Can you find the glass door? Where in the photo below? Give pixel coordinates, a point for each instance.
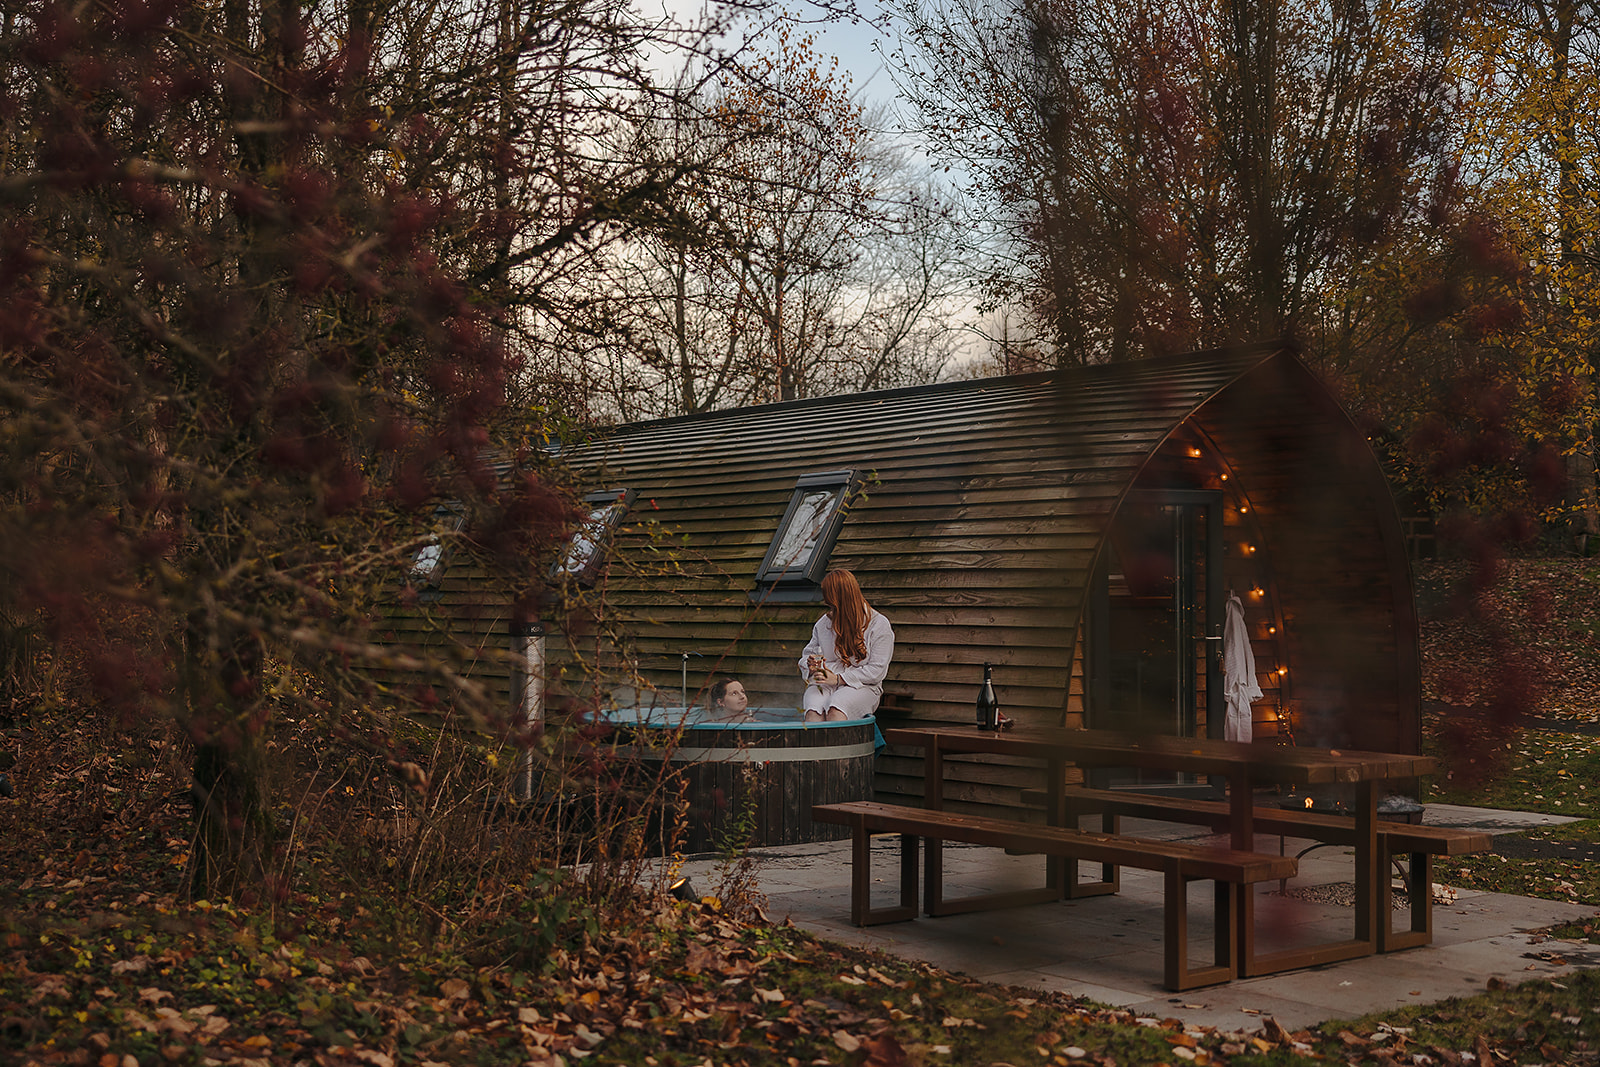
(1156, 619)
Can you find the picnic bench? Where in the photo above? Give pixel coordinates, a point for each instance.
(1243, 767)
(1420, 843)
(1178, 862)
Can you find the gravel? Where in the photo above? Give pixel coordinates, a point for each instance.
(1342, 894)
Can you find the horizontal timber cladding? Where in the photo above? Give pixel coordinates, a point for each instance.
(466, 625)
(984, 511)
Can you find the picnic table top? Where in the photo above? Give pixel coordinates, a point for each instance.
(1286, 764)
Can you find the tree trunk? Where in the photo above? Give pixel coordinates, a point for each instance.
(232, 851)
(222, 667)
(1582, 507)
(1255, 45)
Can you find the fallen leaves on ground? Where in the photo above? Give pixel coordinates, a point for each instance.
(102, 963)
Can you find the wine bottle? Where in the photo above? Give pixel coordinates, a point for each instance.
(988, 706)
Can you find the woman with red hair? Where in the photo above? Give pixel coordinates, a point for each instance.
(848, 656)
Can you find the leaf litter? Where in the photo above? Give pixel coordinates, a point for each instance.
(101, 963)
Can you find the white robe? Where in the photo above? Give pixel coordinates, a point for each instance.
(861, 684)
(1239, 684)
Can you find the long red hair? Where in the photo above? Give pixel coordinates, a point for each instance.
(849, 611)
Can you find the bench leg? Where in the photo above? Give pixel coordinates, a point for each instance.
(862, 912)
(1419, 888)
(1179, 975)
(1110, 874)
(908, 875)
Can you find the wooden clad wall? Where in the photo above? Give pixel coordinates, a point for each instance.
(469, 624)
(986, 505)
(464, 618)
(976, 536)
(1338, 563)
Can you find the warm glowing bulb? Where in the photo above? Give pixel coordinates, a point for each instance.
(1224, 477)
(1243, 508)
(1193, 451)
(1272, 629)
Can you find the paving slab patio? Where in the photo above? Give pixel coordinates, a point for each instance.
(1109, 948)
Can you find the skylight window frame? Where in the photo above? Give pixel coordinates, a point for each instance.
(800, 580)
(426, 573)
(603, 527)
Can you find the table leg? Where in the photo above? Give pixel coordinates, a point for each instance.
(1242, 828)
(1057, 876)
(1368, 870)
(1241, 811)
(933, 848)
(1365, 940)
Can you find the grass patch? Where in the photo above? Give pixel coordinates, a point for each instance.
(1546, 1022)
(1586, 931)
(1548, 879)
(1539, 770)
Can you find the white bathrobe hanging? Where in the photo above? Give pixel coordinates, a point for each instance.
(1238, 673)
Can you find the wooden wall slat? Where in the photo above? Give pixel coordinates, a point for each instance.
(977, 537)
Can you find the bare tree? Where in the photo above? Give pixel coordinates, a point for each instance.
(830, 267)
(274, 279)
(1171, 175)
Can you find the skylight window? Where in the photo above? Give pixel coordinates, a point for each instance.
(427, 567)
(798, 556)
(586, 552)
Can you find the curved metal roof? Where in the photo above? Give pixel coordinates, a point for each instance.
(1032, 463)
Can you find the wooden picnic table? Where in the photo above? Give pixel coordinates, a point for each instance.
(1244, 766)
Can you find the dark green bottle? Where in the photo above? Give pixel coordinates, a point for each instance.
(988, 706)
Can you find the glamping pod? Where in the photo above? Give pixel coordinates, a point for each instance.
(1084, 531)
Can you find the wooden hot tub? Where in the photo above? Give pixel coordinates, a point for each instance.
(765, 760)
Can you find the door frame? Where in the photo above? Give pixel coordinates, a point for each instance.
(1097, 653)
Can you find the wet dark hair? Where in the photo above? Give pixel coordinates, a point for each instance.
(720, 690)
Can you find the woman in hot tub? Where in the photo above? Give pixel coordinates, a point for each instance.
(728, 699)
(848, 656)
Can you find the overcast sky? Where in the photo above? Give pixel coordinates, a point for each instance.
(851, 40)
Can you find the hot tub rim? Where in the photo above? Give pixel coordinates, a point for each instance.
(681, 721)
